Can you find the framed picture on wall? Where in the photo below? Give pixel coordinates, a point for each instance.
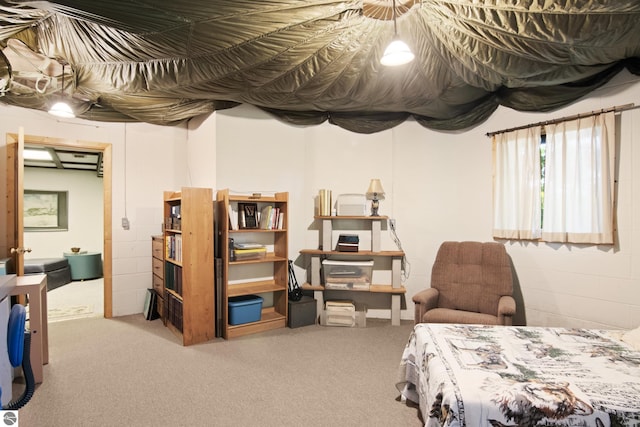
(46, 210)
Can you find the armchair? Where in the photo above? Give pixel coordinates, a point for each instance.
(471, 282)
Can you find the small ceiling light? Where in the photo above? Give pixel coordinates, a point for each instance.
(397, 53)
(61, 108)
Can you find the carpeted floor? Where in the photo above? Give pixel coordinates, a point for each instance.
(128, 371)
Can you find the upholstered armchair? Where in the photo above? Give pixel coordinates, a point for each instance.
(471, 282)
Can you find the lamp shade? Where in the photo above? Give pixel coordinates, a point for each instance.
(375, 189)
(62, 109)
(397, 53)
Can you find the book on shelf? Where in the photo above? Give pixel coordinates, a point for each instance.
(247, 215)
(174, 247)
(271, 218)
(173, 277)
(174, 311)
(233, 217)
(324, 202)
(266, 216)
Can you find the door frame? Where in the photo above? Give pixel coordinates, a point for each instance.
(105, 148)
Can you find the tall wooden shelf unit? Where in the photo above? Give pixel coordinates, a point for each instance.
(273, 316)
(395, 288)
(189, 274)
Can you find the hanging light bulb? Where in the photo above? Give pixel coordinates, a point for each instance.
(397, 53)
(61, 108)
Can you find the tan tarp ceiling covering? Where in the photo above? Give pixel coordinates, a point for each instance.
(306, 62)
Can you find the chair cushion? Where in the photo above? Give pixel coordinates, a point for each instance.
(44, 265)
(446, 315)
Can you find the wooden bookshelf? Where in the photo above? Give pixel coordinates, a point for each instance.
(274, 287)
(188, 262)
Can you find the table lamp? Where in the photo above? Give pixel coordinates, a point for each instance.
(375, 193)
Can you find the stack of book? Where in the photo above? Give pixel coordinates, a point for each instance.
(324, 202)
(271, 218)
(174, 247)
(348, 243)
(340, 313)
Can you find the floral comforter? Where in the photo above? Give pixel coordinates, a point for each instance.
(476, 376)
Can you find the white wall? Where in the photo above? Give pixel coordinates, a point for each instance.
(147, 160)
(438, 187)
(85, 212)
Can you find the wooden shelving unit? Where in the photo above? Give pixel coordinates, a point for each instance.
(189, 307)
(271, 281)
(395, 288)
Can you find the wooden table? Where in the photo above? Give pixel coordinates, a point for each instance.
(34, 286)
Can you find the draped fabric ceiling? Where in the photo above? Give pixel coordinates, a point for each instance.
(307, 62)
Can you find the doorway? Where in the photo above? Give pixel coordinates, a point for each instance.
(105, 151)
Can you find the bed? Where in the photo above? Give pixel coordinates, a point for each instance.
(473, 375)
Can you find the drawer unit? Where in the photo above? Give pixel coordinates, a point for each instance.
(157, 272)
(157, 245)
(158, 267)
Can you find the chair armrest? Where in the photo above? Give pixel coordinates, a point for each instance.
(506, 310)
(424, 300)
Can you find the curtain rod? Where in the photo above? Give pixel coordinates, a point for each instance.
(564, 119)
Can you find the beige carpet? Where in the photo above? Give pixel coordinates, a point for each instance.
(129, 371)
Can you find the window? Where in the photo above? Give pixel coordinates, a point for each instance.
(568, 170)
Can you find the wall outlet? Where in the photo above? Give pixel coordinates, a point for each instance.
(125, 223)
(392, 223)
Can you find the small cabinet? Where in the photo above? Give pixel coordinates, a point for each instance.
(266, 275)
(157, 271)
(326, 250)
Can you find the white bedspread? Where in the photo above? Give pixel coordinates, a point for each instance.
(476, 376)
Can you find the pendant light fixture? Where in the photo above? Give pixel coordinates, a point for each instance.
(61, 108)
(397, 53)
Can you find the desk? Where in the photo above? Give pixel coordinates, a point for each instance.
(35, 288)
(84, 265)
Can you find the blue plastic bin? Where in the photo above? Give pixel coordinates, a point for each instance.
(245, 309)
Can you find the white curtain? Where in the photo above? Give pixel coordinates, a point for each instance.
(579, 181)
(516, 187)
